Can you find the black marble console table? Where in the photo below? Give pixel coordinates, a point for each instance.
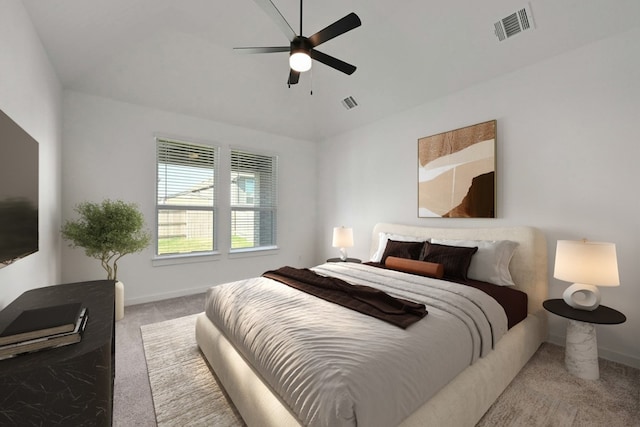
(71, 385)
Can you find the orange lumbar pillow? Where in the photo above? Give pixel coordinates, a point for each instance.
(423, 268)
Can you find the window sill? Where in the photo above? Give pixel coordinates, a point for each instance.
(160, 261)
(253, 252)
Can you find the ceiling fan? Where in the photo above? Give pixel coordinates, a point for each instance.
(303, 49)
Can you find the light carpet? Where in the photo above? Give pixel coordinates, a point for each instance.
(185, 391)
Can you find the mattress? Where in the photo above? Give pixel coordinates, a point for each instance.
(329, 363)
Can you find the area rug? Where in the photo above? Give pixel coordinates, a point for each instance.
(185, 391)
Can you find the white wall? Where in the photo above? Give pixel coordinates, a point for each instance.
(30, 94)
(109, 152)
(568, 145)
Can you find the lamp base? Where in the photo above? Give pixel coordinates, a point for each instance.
(582, 297)
(343, 254)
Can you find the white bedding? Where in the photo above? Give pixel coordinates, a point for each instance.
(319, 356)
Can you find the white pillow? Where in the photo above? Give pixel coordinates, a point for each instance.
(491, 262)
(384, 237)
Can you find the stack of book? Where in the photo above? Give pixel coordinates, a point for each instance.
(43, 328)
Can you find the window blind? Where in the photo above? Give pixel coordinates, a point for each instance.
(253, 200)
(186, 197)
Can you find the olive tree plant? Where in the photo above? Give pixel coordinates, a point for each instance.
(107, 231)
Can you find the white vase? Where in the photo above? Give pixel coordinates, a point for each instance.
(119, 300)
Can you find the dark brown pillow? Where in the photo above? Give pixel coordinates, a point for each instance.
(410, 250)
(455, 259)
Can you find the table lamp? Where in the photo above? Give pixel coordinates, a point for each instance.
(342, 238)
(588, 265)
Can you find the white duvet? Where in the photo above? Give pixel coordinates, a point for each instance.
(337, 367)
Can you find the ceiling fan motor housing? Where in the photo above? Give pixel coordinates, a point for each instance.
(301, 44)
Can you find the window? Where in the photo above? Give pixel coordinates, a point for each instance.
(253, 200)
(186, 198)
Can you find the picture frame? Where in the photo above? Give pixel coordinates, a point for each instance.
(457, 173)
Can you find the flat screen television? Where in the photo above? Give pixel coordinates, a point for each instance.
(18, 192)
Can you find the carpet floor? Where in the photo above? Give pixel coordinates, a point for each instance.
(185, 392)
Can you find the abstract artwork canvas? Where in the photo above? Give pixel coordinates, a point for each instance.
(457, 173)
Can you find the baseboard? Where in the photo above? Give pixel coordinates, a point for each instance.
(163, 296)
(603, 353)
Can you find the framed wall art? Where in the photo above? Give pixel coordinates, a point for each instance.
(457, 173)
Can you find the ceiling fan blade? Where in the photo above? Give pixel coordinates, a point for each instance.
(275, 15)
(341, 26)
(262, 49)
(333, 62)
(294, 76)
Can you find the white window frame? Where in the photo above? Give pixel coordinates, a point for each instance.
(214, 209)
(270, 205)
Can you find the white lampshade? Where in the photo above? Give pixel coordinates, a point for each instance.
(300, 61)
(590, 263)
(342, 237)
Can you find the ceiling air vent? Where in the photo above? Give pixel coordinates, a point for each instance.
(515, 23)
(349, 103)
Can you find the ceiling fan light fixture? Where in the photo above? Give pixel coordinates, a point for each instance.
(300, 61)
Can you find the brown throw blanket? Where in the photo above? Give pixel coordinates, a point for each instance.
(363, 299)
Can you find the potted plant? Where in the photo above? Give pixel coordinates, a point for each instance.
(108, 231)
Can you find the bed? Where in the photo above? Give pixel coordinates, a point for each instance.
(461, 401)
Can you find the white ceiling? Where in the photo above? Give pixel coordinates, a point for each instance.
(177, 55)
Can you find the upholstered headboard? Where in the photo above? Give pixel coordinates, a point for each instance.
(529, 263)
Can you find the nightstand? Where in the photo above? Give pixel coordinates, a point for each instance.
(356, 260)
(581, 351)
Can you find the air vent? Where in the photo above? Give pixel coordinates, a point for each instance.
(515, 23)
(349, 103)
